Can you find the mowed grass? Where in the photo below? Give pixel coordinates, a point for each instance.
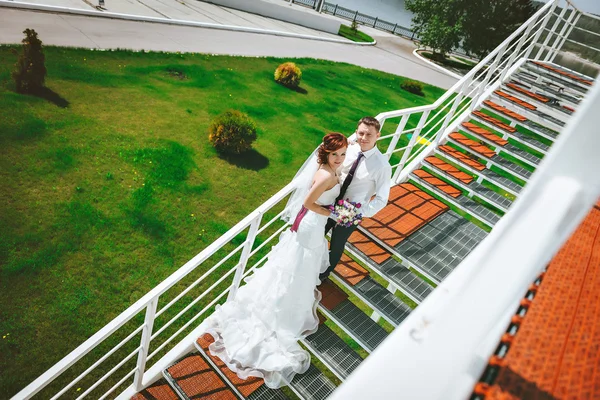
(109, 183)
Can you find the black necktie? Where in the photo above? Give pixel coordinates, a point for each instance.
(350, 176)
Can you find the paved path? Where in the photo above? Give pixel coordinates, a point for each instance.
(392, 55)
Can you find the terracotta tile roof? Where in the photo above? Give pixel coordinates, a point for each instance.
(504, 110)
(496, 122)
(485, 133)
(473, 145)
(516, 100)
(245, 386)
(555, 353)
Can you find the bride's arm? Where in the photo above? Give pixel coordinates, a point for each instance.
(320, 183)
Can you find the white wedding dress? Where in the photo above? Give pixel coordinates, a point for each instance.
(257, 333)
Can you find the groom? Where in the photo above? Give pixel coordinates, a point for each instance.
(364, 173)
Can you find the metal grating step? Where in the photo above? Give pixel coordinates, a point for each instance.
(333, 351)
(474, 209)
(441, 245)
(500, 162)
(556, 77)
(393, 271)
(159, 390)
(477, 189)
(545, 89)
(357, 324)
(542, 116)
(522, 155)
(529, 141)
(491, 176)
(512, 167)
(266, 393)
(312, 385)
(562, 72)
(552, 81)
(551, 106)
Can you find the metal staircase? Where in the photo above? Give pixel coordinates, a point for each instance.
(486, 137)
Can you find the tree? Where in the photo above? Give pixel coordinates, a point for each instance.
(487, 23)
(30, 70)
(438, 23)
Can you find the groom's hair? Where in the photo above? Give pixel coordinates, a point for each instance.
(369, 121)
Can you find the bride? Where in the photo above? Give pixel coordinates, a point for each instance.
(257, 333)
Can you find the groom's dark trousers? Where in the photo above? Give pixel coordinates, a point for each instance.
(339, 237)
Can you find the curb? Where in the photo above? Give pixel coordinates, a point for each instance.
(137, 18)
(444, 70)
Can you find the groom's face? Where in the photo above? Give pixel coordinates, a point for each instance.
(366, 136)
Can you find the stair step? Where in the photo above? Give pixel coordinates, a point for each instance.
(449, 170)
(471, 207)
(374, 255)
(549, 77)
(359, 326)
(528, 109)
(477, 189)
(440, 245)
(529, 141)
(536, 128)
(468, 163)
(486, 153)
(192, 377)
(160, 390)
(245, 388)
(312, 384)
(390, 307)
(547, 89)
(407, 210)
(549, 106)
(333, 352)
(580, 79)
(494, 140)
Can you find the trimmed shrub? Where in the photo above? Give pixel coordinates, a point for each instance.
(414, 87)
(288, 74)
(30, 70)
(232, 132)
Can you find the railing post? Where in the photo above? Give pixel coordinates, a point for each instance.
(488, 75)
(539, 32)
(335, 9)
(411, 144)
(564, 37)
(516, 51)
(396, 136)
(239, 273)
(145, 343)
(560, 35)
(375, 22)
(394, 30)
(552, 31)
(459, 97)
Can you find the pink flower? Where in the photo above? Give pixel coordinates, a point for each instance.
(358, 205)
(341, 202)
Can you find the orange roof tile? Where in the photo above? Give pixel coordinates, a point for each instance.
(198, 379)
(351, 271)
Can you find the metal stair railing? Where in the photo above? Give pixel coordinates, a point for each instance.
(430, 123)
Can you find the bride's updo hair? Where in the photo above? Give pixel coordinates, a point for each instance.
(331, 142)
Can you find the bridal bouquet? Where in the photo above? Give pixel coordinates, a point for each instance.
(346, 213)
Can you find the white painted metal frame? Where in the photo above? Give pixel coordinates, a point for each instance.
(446, 113)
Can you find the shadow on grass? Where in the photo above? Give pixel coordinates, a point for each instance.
(51, 96)
(296, 89)
(251, 159)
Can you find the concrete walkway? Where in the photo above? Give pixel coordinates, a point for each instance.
(392, 54)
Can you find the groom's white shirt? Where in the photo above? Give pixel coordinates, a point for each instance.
(372, 177)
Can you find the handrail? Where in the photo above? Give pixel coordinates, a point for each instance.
(467, 93)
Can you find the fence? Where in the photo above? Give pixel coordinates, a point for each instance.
(364, 19)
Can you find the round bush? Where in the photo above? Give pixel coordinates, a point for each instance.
(288, 74)
(232, 132)
(414, 87)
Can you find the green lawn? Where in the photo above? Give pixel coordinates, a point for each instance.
(355, 36)
(109, 184)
